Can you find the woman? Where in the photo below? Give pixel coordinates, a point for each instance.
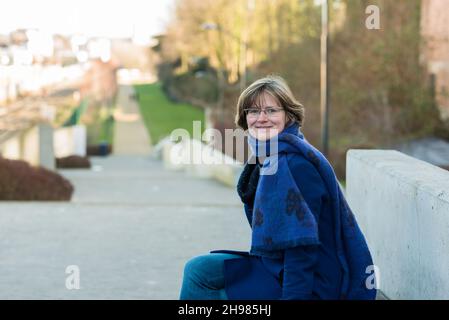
(306, 243)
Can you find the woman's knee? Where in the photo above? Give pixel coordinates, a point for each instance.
(193, 264)
(195, 267)
(209, 266)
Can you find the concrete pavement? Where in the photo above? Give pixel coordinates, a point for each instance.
(130, 228)
(130, 134)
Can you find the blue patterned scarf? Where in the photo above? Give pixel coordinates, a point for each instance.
(282, 218)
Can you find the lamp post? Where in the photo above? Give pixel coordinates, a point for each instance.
(325, 87)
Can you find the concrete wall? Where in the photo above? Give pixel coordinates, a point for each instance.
(34, 146)
(200, 160)
(402, 206)
(30, 146)
(70, 141)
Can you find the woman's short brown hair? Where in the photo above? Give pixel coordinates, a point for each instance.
(278, 89)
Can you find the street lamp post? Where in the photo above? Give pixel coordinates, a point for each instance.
(325, 87)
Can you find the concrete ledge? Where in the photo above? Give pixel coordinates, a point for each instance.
(33, 145)
(199, 160)
(402, 206)
(70, 141)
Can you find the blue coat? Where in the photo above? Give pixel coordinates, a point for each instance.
(304, 272)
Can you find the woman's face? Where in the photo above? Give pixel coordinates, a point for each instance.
(267, 124)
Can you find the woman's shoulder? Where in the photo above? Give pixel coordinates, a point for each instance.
(299, 160)
(305, 173)
(299, 164)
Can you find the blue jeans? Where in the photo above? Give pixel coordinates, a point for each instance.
(204, 277)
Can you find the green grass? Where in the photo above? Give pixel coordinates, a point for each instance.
(107, 131)
(161, 116)
(101, 129)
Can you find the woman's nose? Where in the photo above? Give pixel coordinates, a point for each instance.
(262, 116)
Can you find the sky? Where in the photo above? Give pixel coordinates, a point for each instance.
(104, 18)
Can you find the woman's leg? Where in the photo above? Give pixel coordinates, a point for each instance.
(204, 277)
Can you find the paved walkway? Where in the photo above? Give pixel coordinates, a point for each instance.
(130, 133)
(130, 228)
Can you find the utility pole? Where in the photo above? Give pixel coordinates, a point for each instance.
(325, 87)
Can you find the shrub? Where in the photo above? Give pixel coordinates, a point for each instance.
(21, 182)
(73, 162)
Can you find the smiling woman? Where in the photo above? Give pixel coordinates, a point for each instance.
(265, 109)
(306, 243)
(265, 119)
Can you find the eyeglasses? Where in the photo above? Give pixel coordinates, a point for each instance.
(271, 112)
